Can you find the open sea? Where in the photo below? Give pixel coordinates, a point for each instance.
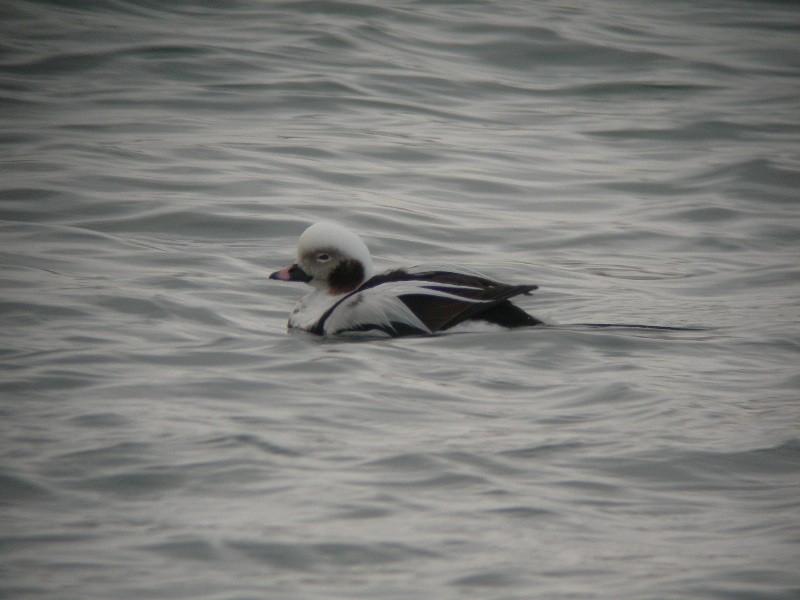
(162, 435)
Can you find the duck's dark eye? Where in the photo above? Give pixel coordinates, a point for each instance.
(323, 257)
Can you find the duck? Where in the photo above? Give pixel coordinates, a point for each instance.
(349, 297)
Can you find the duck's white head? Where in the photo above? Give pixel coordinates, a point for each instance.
(330, 258)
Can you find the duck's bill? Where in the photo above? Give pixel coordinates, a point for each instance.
(291, 273)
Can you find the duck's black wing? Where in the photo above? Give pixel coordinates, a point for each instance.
(414, 301)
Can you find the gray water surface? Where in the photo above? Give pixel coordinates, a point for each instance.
(163, 436)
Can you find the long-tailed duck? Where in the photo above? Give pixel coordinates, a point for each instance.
(349, 297)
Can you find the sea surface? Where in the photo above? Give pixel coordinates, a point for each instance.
(162, 435)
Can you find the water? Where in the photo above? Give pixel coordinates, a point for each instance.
(164, 437)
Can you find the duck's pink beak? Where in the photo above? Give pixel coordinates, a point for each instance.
(292, 272)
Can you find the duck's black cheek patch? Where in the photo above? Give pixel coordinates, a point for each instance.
(346, 277)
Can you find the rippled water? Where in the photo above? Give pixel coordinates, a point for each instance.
(164, 437)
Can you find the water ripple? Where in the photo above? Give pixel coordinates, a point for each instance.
(163, 435)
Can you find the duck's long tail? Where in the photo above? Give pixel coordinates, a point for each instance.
(630, 326)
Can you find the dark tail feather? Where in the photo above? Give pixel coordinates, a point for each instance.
(631, 326)
(508, 315)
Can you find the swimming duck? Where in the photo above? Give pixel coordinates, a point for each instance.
(348, 297)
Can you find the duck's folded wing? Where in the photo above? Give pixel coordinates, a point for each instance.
(403, 303)
(379, 308)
